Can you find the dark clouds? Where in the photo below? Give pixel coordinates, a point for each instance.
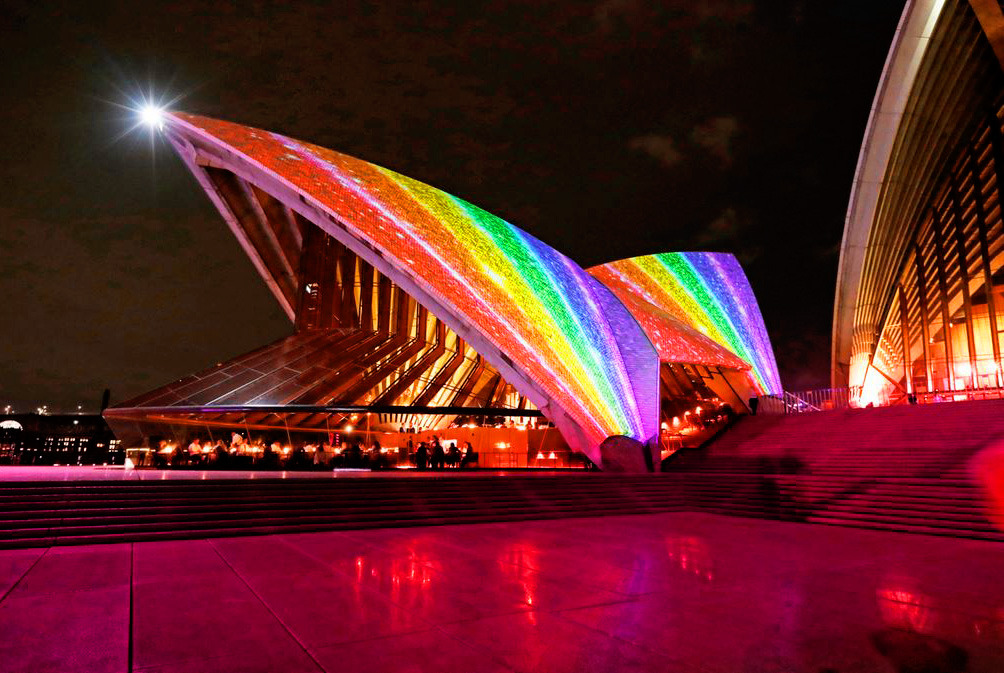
(716, 135)
(607, 129)
(661, 148)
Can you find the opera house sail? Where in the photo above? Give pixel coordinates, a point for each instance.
(918, 310)
(424, 311)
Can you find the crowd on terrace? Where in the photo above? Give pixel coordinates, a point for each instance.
(269, 453)
(377, 450)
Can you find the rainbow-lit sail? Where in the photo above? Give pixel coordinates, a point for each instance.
(583, 346)
(555, 322)
(707, 291)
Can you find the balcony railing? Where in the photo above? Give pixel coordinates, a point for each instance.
(826, 399)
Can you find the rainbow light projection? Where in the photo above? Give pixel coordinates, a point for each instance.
(707, 291)
(676, 341)
(565, 331)
(584, 346)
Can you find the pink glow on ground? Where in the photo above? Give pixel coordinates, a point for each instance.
(666, 592)
(117, 473)
(988, 471)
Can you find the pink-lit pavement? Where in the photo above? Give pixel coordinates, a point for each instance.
(665, 592)
(74, 473)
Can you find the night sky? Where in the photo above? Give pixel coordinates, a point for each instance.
(608, 129)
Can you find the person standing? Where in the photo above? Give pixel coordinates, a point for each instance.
(438, 455)
(469, 455)
(422, 456)
(453, 455)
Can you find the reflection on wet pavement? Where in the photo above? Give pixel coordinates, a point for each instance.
(667, 592)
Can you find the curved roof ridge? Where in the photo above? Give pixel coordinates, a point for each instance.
(571, 347)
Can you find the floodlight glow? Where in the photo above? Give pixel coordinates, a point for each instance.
(152, 116)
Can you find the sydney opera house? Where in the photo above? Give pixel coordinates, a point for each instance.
(809, 536)
(918, 311)
(413, 310)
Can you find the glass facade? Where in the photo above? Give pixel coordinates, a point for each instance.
(941, 330)
(917, 301)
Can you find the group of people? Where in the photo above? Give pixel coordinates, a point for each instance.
(432, 455)
(266, 454)
(173, 454)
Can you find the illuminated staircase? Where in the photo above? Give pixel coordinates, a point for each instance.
(43, 514)
(904, 468)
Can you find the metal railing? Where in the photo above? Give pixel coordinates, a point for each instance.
(826, 399)
(805, 401)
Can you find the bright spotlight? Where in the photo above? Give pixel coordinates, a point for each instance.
(152, 116)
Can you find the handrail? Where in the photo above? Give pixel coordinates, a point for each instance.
(806, 401)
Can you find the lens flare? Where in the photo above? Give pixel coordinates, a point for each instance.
(152, 116)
